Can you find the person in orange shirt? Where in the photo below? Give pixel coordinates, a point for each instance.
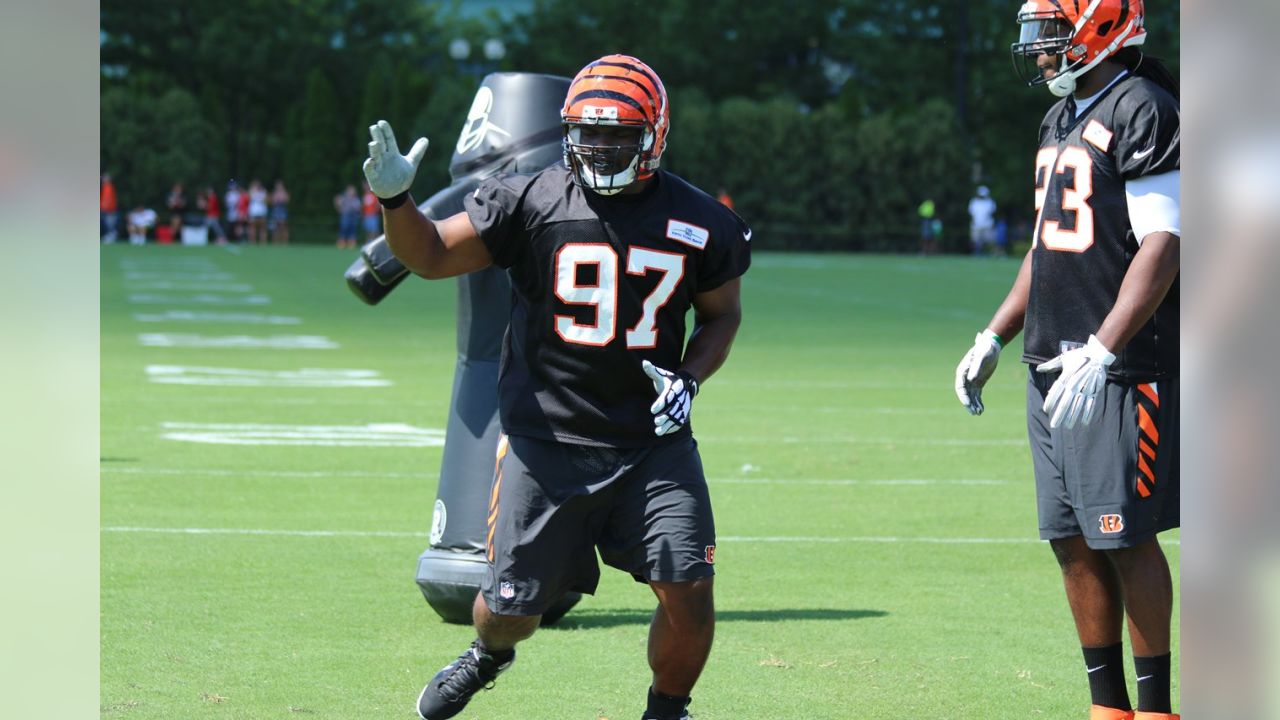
(724, 198)
(107, 209)
(372, 214)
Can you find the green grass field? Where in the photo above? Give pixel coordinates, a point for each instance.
(877, 552)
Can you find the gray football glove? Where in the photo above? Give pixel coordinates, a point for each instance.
(975, 370)
(389, 173)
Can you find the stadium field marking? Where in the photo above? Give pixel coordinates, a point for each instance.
(192, 286)
(274, 342)
(188, 276)
(169, 263)
(864, 440)
(200, 299)
(108, 469)
(242, 377)
(801, 539)
(370, 435)
(907, 482)
(306, 474)
(216, 317)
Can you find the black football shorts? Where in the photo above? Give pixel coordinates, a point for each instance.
(1114, 481)
(552, 505)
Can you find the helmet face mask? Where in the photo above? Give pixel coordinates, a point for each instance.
(605, 160)
(615, 119)
(1079, 37)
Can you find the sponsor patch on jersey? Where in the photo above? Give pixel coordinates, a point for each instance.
(688, 233)
(1097, 135)
(1110, 523)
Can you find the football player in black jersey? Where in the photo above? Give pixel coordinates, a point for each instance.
(606, 255)
(1098, 296)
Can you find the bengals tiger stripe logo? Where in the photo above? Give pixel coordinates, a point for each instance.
(1111, 523)
(711, 554)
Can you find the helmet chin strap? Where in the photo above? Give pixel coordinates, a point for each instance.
(1064, 83)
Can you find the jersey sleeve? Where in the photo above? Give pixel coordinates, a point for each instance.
(728, 255)
(1149, 139)
(496, 209)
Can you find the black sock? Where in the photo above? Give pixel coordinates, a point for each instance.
(499, 656)
(1153, 683)
(1105, 666)
(665, 707)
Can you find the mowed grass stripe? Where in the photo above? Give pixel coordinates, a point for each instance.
(844, 588)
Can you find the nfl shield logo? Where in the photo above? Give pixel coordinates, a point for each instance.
(506, 591)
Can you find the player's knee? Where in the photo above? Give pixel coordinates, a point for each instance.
(689, 604)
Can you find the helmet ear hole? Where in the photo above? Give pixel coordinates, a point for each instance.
(1105, 28)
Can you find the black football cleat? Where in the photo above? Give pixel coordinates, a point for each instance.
(451, 689)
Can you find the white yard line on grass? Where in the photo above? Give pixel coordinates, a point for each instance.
(247, 318)
(200, 299)
(864, 440)
(274, 342)
(310, 474)
(249, 377)
(721, 539)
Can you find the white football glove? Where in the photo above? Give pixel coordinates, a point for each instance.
(975, 370)
(1074, 395)
(675, 398)
(389, 173)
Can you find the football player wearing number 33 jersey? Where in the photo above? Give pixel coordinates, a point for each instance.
(606, 255)
(1098, 295)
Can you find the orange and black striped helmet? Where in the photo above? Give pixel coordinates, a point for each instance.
(616, 90)
(1082, 33)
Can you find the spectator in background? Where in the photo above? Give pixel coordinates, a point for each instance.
(107, 209)
(207, 201)
(257, 213)
(279, 214)
(724, 198)
(348, 206)
(234, 218)
(242, 210)
(372, 214)
(930, 227)
(982, 221)
(177, 203)
(1002, 236)
(140, 219)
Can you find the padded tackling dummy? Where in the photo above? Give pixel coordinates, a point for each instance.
(513, 126)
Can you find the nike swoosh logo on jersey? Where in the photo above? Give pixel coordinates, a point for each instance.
(1143, 153)
(1092, 670)
(1145, 677)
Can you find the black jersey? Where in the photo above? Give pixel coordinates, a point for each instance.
(1083, 242)
(599, 284)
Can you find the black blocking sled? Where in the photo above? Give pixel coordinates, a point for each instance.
(513, 126)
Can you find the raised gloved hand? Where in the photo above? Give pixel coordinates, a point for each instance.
(389, 173)
(675, 398)
(975, 369)
(1074, 395)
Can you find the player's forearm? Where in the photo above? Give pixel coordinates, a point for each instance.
(1145, 284)
(1012, 313)
(709, 345)
(413, 239)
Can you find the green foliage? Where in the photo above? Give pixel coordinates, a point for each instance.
(151, 146)
(827, 121)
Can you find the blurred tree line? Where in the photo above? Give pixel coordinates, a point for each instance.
(828, 121)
